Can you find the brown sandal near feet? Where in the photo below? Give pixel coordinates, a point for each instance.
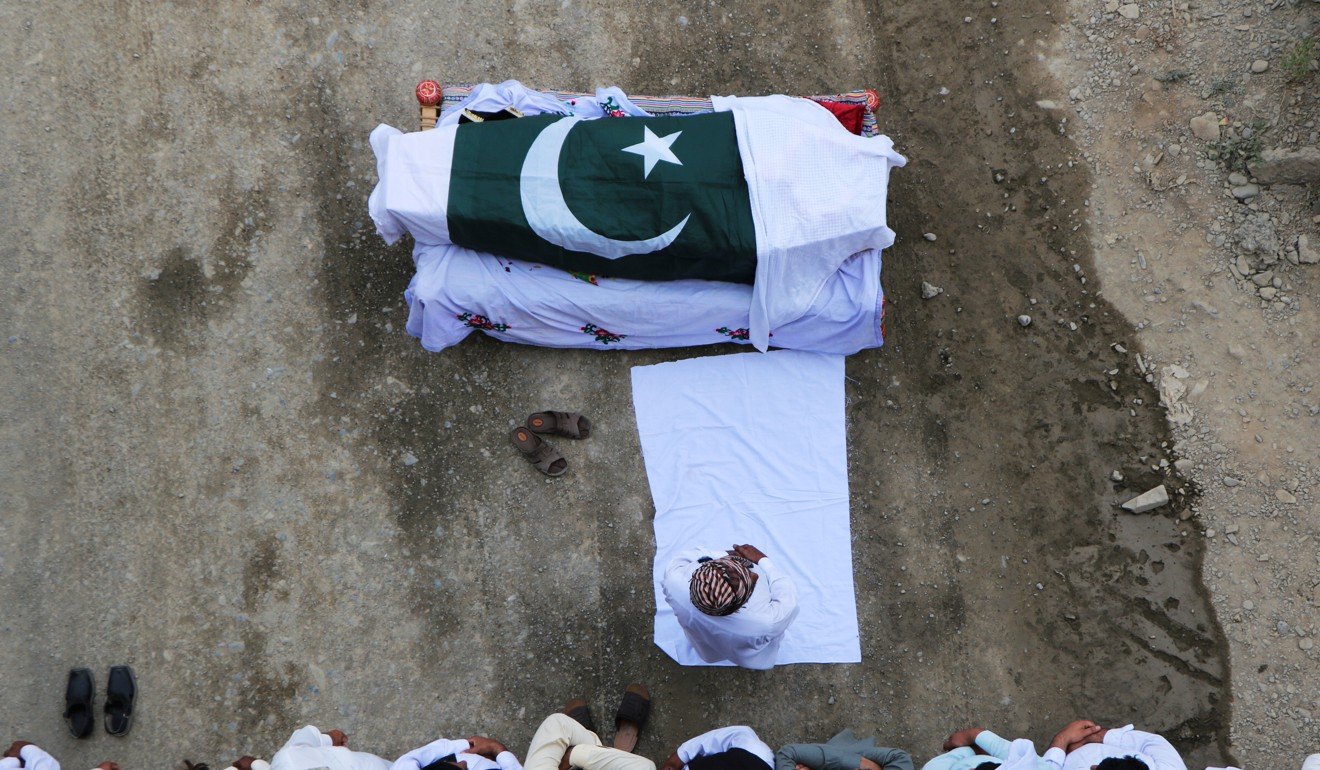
(631, 717)
(543, 457)
(570, 424)
(578, 710)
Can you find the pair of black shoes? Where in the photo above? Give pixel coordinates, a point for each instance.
(120, 692)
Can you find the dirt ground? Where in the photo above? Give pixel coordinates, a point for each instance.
(210, 407)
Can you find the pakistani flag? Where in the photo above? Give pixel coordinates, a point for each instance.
(770, 191)
(644, 198)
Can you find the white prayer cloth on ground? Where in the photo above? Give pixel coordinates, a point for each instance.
(751, 448)
(456, 291)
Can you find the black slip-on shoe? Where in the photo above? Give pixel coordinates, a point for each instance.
(120, 692)
(78, 696)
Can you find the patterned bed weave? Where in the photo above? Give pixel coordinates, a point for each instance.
(686, 105)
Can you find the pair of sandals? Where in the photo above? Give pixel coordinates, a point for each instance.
(634, 710)
(120, 694)
(542, 454)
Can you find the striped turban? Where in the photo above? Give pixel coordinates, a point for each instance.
(721, 586)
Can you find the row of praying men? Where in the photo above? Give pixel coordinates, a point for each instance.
(569, 740)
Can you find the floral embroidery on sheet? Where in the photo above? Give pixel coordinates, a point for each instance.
(590, 278)
(612, 109)
(482, 322)
(734, 334)
(602, 336)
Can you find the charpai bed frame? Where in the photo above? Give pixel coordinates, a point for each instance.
(433, 99)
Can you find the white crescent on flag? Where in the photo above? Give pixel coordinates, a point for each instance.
(548, 214)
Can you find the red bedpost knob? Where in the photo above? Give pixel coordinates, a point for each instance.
(428, 93)
(428, 96)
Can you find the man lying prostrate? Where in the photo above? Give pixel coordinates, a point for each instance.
(1118, 748)
(726, 611)
(976, 748)
(475, 753)
(30, 756)
(728, 748)
(842, 752)
(311, 749)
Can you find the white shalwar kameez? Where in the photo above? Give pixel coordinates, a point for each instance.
(749, 637)
(1157, 753)
(726, 739)
(34, 758)
(311, 749)
(438, 749)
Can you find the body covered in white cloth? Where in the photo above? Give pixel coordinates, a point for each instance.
(767, 190)
(456, 291)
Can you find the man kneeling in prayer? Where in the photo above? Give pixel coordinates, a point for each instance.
(728, 748)
(725, 609)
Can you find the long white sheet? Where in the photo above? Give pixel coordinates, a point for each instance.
(751, 448)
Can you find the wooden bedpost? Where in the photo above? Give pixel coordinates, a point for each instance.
(428, 98)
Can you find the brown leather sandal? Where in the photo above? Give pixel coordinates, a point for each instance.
(570, 424)
(578, 710)
(543, 457)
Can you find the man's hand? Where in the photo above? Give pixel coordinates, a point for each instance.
(1077, 731)
(673, 763)
(749, 552)
(16, 747)
(338, 738)
(1096, 737)
(800, 766)
(244, 763)
(107, 766)
(962, 738)
(485, 747)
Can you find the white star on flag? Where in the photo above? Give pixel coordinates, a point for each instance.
(655, 149)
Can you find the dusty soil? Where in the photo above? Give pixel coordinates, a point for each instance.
(208, 401)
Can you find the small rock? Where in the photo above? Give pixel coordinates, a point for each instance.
(932, 237)
(1259, 66)
(1231, 528)
(1263, 279)
(1238, 178)
(1229, 481)
(1183, 465)
(1116, 476)
(1148, 500)
(1129, 10)
(1306, 253)
(1268, 292)
(930, 291)
(1305, 644)
(1206, 128)
(409, 459)
(1024, 320)
(1246, 192)
(1248, 605)
(1284, 496)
